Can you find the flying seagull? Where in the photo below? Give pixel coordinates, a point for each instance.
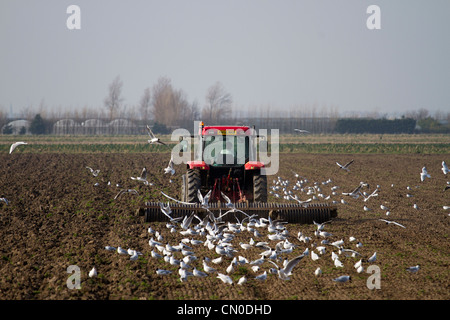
(132, 191)
(444, 167)
(286, 272)
(170, 168)
(142, 177)
(94, 172)
(424, 174)
(301, 131)
(153, 138)
(393, 222)
(15, 145)
(345, 167)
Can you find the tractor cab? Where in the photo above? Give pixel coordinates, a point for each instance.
(225, 162)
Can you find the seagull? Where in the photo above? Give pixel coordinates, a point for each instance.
(444, 167)
(132, 191)
(121, 251)
(187, 220)
(286, 272)
(94, 172)
(424, 174)
(198, 273)
(318, 271)
(372, 258)
(345, 167)
(342, 279)
(224, 278)
(413, 269)
(4, 200)
(262, 276)
(170, 168)
(204, 200)
(301, 131)
(393, 222)
(15, 145)
(153, 138)
(93, 273)
(242, 280)
(142, 177)
(207, 268)
(163, 272)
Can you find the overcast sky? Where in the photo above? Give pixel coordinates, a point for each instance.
(282, 53)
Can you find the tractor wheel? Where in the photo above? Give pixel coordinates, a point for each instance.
(259, 187)
(193, 184)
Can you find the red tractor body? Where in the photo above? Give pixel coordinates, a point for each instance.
(225, 163)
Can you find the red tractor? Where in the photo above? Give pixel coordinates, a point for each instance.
(225, 162)
(225, 169)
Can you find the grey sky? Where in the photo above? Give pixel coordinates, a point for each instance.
(281, 53)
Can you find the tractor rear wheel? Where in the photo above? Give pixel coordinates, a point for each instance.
(259, 187)
(192, 185)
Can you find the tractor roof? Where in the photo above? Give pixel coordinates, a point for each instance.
(224, 130)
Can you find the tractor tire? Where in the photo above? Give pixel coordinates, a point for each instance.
(193, 184)
(259, 187)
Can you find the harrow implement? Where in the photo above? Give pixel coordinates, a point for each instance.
(292, 213)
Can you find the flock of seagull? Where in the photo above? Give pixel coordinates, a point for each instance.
(275, 245)
(279, 252)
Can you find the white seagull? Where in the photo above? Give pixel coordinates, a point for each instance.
(93, 273)
(342, 279)
(393, 222)
(94, 172)
(413, 269)
(132, 191)
(142, 177)
(225, 278)
(15, 145)
(301, 131)
(153, 138)
(444, 167)
(424, 174)
(286, 272)
(345, 166)
(169, 168)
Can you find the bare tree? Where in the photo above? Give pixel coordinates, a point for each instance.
(113, 100)
(218, 103)
(170, 106)
(145, 104)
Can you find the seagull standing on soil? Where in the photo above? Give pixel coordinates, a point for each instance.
(93, 273)
(342, 279)
(15, 145)
(413, 269)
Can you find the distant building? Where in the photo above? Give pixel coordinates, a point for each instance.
(18, 127)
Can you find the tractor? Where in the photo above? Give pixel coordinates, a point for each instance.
(226, 171)
(223, 166)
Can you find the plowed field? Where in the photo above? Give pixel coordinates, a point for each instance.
(59, 215)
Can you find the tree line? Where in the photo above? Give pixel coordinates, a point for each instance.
(167, 107)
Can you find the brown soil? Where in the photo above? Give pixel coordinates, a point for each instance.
(57, 217)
